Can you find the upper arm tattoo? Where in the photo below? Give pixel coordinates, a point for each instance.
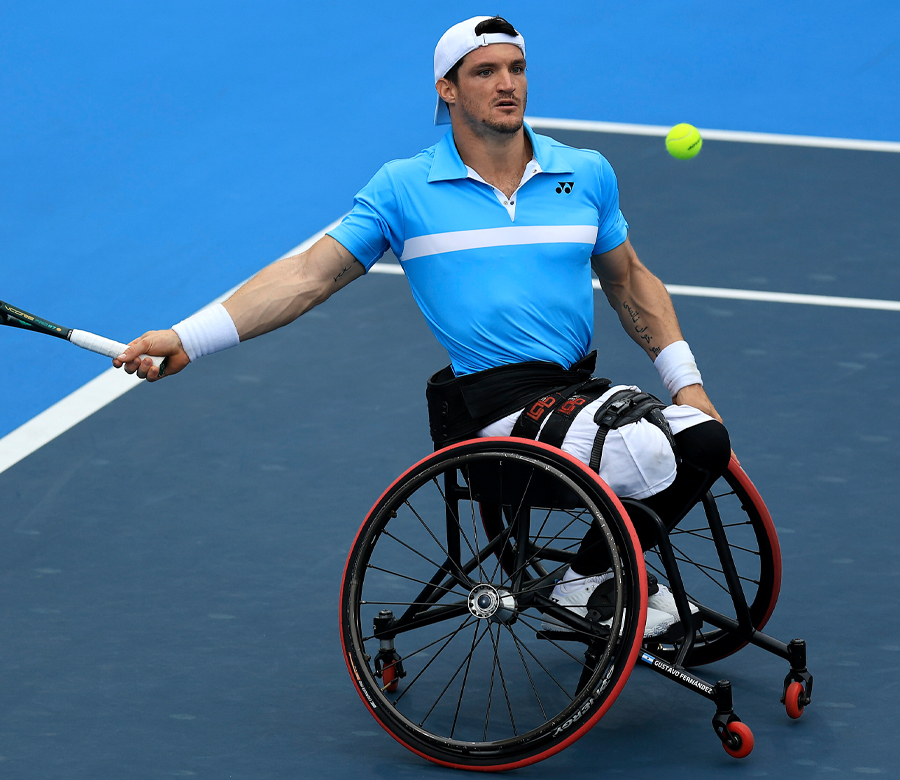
(346, 268)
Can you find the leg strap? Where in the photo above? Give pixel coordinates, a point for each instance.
(622, 408)
(562, 408)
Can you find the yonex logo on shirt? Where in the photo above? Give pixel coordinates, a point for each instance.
(565, 186)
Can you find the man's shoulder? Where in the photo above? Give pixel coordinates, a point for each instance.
(571, 154)
(409, 167)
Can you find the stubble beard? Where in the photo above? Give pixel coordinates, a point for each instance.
(510, 126)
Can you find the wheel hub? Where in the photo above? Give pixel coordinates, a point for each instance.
(496, 604)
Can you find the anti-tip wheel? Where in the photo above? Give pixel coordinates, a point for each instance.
(795, 700)
(740, 740)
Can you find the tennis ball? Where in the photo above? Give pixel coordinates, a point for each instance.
(684, 141)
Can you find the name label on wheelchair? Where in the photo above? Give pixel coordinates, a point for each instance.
(677, 674)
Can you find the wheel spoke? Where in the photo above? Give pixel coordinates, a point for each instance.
(487, 712)
(431, 534)
(412, 549)
(527, 670)
(422, 671)
(457, 522)
(526, 618)
(474, 527)
(450, 681)
(414, 579)
(496, 643)
(548, 672)
(462, 687)
(538, 551)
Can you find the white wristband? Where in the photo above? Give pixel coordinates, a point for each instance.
(209, 330)
(677, 367)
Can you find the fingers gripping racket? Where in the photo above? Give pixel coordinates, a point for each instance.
(17, 318)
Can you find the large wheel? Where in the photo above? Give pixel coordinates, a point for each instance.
(485, 686)
(757, 557)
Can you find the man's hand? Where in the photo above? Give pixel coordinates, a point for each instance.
(159, 343)
(695, 395)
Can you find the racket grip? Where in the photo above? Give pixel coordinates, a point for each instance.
(104, 346)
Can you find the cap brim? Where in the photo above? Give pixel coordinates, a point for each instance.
(441, 113)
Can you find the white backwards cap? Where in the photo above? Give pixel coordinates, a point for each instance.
(455, 44)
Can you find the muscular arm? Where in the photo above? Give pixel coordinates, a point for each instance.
(645, 311)
(276, 296)
(638, 298)
(288, 288)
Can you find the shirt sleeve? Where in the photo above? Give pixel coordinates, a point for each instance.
(612, 229)
(373, 224)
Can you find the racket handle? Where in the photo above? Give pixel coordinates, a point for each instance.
(103, 346)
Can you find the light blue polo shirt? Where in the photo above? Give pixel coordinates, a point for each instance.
(497, 284)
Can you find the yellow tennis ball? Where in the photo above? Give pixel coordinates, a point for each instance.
(684, 141)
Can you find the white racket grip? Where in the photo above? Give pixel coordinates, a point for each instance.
(103, 346)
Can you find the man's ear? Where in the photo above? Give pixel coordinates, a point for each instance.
(447, 90)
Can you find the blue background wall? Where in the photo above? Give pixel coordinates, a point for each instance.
(152, 155)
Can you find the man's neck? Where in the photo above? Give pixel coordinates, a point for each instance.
(499, 159)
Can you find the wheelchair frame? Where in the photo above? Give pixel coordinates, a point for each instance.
(528, 498)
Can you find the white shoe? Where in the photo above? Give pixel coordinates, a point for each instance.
(664, 601)
(574, 591)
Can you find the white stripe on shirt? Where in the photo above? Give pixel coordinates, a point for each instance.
(439, 243)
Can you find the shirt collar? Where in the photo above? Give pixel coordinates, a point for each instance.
(447, 165)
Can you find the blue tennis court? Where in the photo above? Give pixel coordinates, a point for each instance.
(171, 564)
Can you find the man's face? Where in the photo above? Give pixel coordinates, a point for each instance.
(492, 89)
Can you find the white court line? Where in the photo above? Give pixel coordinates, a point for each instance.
(112, 383)
(545, 123)
(736, 295)
(777, 297)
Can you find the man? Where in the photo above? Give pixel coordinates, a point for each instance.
(497, 229)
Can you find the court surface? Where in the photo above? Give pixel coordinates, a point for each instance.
(170, 566)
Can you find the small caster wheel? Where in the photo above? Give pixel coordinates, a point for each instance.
(390, 678)
(740, 740)
(795, 700)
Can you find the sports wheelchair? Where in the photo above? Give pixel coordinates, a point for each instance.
(456, 648)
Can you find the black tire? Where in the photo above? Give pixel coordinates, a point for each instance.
(757, 558)
(485, 687)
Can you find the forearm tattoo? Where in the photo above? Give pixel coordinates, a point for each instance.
(342, 273)
(639, 329)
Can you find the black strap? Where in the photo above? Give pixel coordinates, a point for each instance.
(624, 407)
(529, 423)
(562, 407)
(459, 406)
(561, 419)
(555, 429)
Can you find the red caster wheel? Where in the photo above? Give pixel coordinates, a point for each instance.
(795, 700)
(389, 678)
(740, 740)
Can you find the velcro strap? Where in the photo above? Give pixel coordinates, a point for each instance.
(529, 423)
(555, 429)
(623, 408)
(561, 418)
(562, 408)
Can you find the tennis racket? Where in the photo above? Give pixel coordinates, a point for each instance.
(17, 318)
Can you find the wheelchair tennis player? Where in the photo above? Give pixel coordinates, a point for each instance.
(498, 229)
